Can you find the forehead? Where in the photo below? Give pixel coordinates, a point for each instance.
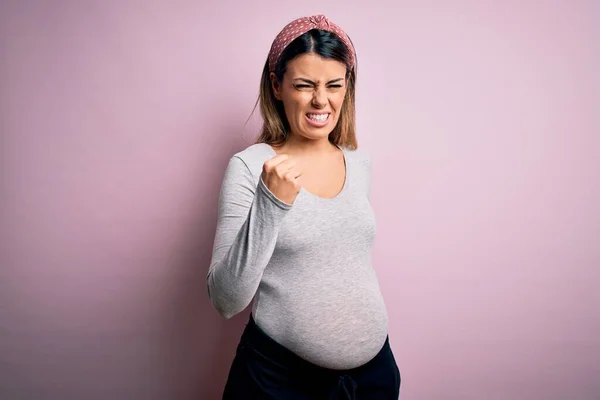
(313, 66)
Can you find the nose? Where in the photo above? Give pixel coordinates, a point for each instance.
(319, 97)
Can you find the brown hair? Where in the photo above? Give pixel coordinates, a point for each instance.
(275, 123)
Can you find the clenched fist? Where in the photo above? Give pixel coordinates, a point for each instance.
(280, 174)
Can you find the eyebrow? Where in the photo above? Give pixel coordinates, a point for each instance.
(312, 82)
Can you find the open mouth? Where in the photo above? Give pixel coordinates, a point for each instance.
(318, 119)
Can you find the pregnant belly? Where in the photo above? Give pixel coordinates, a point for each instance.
(339, 324)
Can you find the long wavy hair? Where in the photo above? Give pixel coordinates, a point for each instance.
(275, 124)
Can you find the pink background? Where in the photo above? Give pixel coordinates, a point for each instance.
(118, 118)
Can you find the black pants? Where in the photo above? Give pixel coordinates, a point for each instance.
(263, 369)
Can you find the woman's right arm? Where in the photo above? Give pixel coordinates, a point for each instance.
(249, 217)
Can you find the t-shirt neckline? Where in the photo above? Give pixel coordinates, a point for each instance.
(344, 186)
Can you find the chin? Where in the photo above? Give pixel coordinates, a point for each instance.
(322, 133)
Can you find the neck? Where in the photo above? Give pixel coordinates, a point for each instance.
(306, 147)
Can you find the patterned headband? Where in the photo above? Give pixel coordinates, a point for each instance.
(299, 27)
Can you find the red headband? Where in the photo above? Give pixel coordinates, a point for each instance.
(299, 27)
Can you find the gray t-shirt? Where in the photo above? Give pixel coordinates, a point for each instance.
(306, 266)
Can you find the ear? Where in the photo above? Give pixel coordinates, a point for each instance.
(275, 85)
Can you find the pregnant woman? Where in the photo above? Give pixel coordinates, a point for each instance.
(295, 231)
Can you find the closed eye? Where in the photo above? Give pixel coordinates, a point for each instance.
(302, 86)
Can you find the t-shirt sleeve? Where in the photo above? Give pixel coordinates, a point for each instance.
(248, 222)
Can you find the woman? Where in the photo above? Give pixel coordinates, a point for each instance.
(295, 231)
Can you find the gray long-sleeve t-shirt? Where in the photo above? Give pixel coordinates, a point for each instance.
(306, 266)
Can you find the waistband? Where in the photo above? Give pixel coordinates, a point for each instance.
(340, 384)
(256, 338)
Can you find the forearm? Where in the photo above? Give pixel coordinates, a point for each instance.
(236, 269)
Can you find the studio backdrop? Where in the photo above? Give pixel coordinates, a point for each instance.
(117, 119)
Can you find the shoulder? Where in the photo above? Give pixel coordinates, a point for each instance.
(254, 156)
(360, 157)
(359, 163)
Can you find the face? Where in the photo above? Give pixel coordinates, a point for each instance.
(312, 92)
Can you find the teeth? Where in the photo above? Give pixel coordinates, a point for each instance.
(318, 117)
